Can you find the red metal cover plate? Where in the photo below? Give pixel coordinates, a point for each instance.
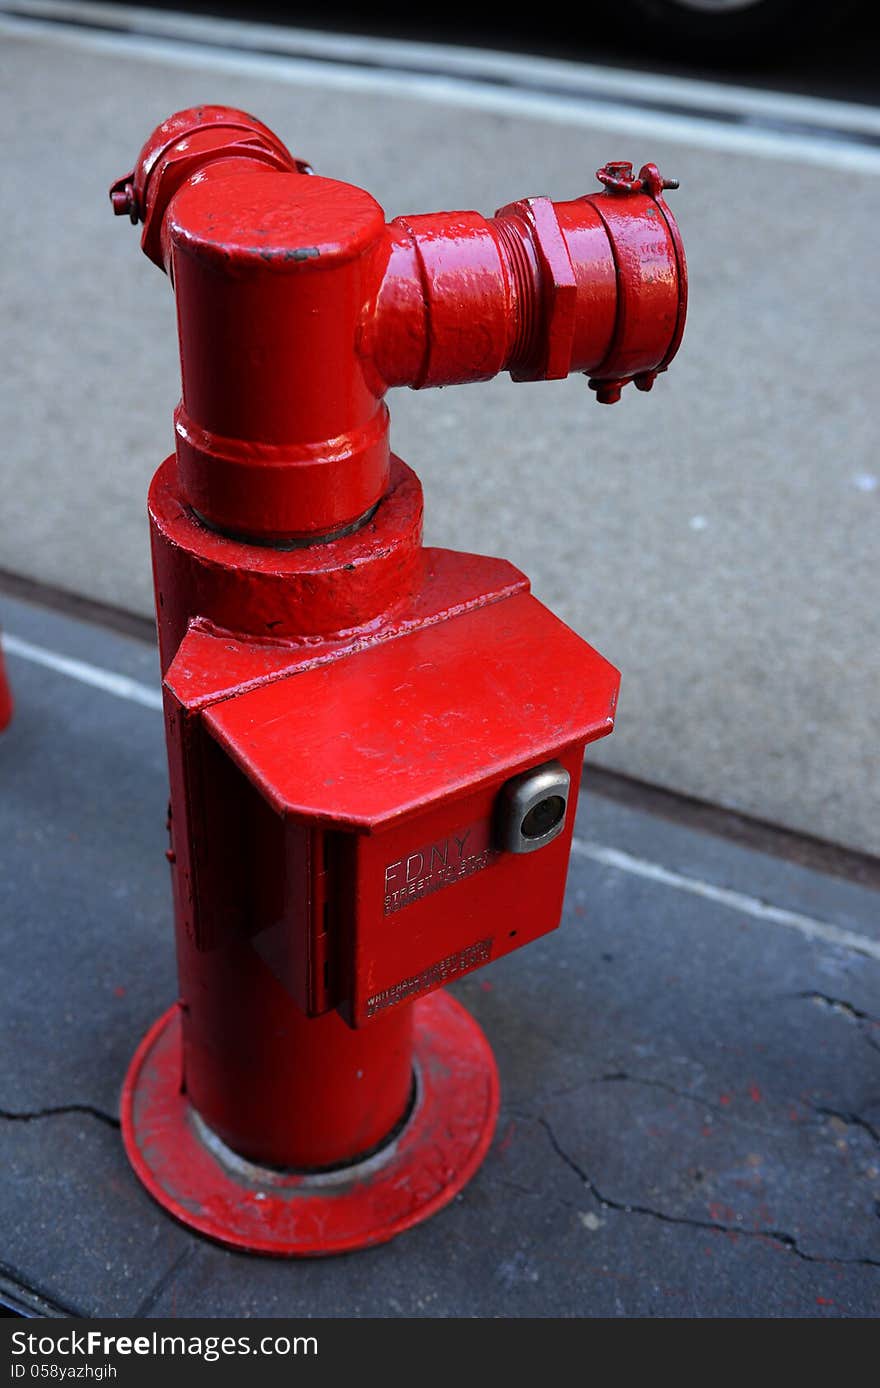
(372, 737)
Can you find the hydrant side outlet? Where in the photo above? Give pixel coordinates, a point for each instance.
(374, 747)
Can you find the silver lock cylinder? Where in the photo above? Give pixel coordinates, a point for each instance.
(532, 808)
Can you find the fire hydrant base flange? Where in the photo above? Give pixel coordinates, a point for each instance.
(295, 1214)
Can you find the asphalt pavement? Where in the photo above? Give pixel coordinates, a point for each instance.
(690, 1120)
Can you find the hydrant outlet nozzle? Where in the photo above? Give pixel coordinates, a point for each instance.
(272, 267)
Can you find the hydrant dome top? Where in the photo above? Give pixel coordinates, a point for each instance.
(274, 219)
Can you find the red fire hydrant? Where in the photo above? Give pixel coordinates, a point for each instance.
(374, 747)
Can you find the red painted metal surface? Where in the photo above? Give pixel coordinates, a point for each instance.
(278, 274)
(354, 722)
(453, 1107)
(5, 695)
(405, 840)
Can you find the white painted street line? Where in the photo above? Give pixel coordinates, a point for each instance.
(712, 115)
(724, 896)
(119, 685)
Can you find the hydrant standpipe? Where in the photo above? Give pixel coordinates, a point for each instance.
(374, 747)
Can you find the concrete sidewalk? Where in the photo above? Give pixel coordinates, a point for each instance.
(690, 1121)
(716, 540)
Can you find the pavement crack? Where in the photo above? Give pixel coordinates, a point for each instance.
(852, 1120)
(846, 1009)
(628, 1207)
(56, 1110)
(168, 1276)
(689, 1096)
(622, 1077)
